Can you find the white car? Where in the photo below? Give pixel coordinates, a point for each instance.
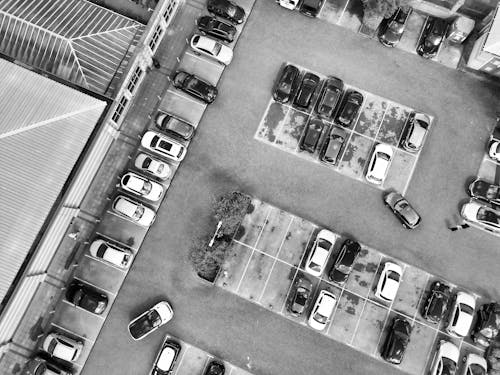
(116, 256)
(288, 4)
(475, 365)
(141, 186)
(461, 315)
(445, 359)
(478, 213)
(379, 164)
(134, 211)
(166, 358)
(388, 283)
(494, 150)
(322, 310)
(62, 347)
(316, 261)
(153, 166)
(212, 48)
(163, 145)
(150, 320)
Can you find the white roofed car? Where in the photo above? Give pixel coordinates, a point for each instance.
(142, 186)
(475, 365)
(494, 150)
(153, 166)
(318, 257)
(379, 164)
(62, 347)
(445, 359)
(481, 214)
(134, 211)
(163, 145)
(165, 361)
(322, 310)
(150, 320)
(116, 256)
(388, 283)
(461, 315)
(212, 48)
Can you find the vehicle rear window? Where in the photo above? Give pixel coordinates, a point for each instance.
(166, 145)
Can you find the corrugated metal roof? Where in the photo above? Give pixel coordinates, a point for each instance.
(73, 39)
(43, 129)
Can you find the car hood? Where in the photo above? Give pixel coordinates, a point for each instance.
(469, 211)
(392, 36)
(390, 289)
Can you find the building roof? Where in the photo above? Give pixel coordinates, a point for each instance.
(492, 43)
(43, 129)
(75, 40)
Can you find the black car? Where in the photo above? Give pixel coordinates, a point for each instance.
(300, 294)
(215, 368)
(218, 29)
(170, 124)
(226, 9)
(86, 297)
(392, 28)
(195, 86)
(40, 366)
(485, 191)
(332, 146)
(436, 304)
(487, 325)
(312, 135)
(286, 85)
(306, 90)
(329, 98)
(310, 8)
(344, 262)
(432, 37)
(397, 340)
(349, 108)
(402, 209)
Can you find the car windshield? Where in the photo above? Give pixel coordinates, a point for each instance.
(167, 146)
(231, 10)
(396, 27)
(432, 40)
(300, 298)
(101, 250)
(146, 188)
(492, 192)
(320, 318)
(393, 275)
(52, 346)
(449, 366)
(139, 211)
(314, 266)
(324, 244)
(146, 163)
(383, 156)
(285, 86)
(475, 370)
(466, 309)
(486, 215)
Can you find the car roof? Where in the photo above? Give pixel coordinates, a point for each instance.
(166, 358)
(327, 303)
(62, 350)
(320, 256)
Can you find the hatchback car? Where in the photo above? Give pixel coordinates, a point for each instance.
(333, 145)
(436, 304)
(397, 341)
(86, 297)
(349, 108)
(218, 29)
(487, 325)
(391, 29)
(40, 366)
(288, 4)
(321, 249)
(215, 367)
(226, 9)
(306, 90)
(344, 262)
(112, 254)
(166, 358)
(141, 186)
(402, 209)
(310, 8)
(379, 164)
(494, 150)
(134, 211)
(62, 347)
(485, 191)
(312, 135)
(475, 365)
(445, 359)
(154, 167)
(171, 124)
(329, 97)
(461, 315)
(388, 283)
(300, 294)
(286, 84)
(194, 86)
(432, 37)
(206, 46)
(483, 215)
(163, 145)
(150, 320)
(322, 310)
(416, 132)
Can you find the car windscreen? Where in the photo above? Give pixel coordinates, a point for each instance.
(487, 215)
(300, 298)
(393, 275)
(165, 145)
(449, 366)
(466, 309)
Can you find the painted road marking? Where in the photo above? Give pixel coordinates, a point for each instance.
(71, 332)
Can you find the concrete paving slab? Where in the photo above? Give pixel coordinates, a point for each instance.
(275, 292)
(419, 348)
(12, 363)
(412, 32)
(411, 290)
(186, 110)
(102, 275)
(489, 170)
(121, 230)
(450, 54)
(252, 224)
(203, 67)
(400, 172)
(371, 115)
(345, 319)
(393, 124)
(292, 130)
(274, 232)
(271, 122)
(353, 14)
(296, 241)
(78, 321)
(193, 361)
(233, 267)
(363, 273)
(357, 154)
(253, 282)
(333, 10)
(370, 326)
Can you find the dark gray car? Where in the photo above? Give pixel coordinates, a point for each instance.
(170, 124)
(333, 145)
(402, 209)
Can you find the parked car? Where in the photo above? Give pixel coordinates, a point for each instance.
(445, 359)
(432, 37)
(288, 4)
(483, 215)
(40, 366)
(397, 341)
(388, 283)
(416, 132)
(301, 291)
(313, 132)
(475, 365)
(212, 48)
(462, 314)
(349, 108)
(154, 167)
(320, 251)
(218, 29)
(437, 302)
(194, 86)
(112, 254)
(226, 9)
(391, 29)
(331, 93)
(379, 164)
(166, 358)
(332, 146)
(150, 320)
(171, 124)
(487, 325)
(494, 150)
(86, 297)
(322, 310)
(215, 367)
(286, 84)
(306, 90)
(141, 186)
(402, 209)
(163, 145)
(344, 262)
(134, 211)
(485, 191)
(62, 347)
(311, 8)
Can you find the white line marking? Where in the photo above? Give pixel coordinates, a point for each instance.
(343, 11)
(204, 58)
(106, 263)
(181, 94)
(81, 309)
(113, 240)
(71, 332)
(95, 286)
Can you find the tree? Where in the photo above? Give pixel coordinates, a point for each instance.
(230, 208)
(207, 260)
(375, 10)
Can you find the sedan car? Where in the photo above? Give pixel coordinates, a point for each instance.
(379, 164)
(194, 86)
(485, 191)
(133, 211)
(437, 302)
(306, 90)
(321, 249)
(432, 37)
(391, 29)
(163, 145)
(310, 8)
(488, 324)
(483, 215)
(166, 358)
(344, 262)
(494, 150)
(150, 320)
(206, 46)
(445, 359)
(322, 310)
(349, 108)
(218, 29)
(171, 124)
(154, 167)
(402, 209)
(86, 297)
(227, 9)
(329, 97)
(416, 132)
(312, 135)
(388, 283)
(40, 366)
(397, 341)
(215, 367)
(332, 146)
(62, 347)
(141, 186)
(461, 315)
(112, 254)
(475, 365)
(300, 294)
(286, 84)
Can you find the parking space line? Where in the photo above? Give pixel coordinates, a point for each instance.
(321, 9)
(71, 332)
(82, 309)
(104, 236)
(231, 371)
(421, 295)
(421, 31)
(105, 263)
(95, 286)
(343, 11)
(182, 356)
(383, 117)
(431, 350)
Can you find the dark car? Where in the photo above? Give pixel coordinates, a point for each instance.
(195, 86)
(300, 293)
(485, 191)
(436, 304)
(397, 340)
(40, 366)
(167, 357)
(332, 146)
(402, 209)
(392, 28)
(170, 124)
(432, 37)
(344, 262)
(349, 108)
(329, 98)
(312, 135)
(286, 85)
(215, 367)
(226, 9)
(218, 29)
(310, 8)
(487, 325)
(306, 90)
(86, 297)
